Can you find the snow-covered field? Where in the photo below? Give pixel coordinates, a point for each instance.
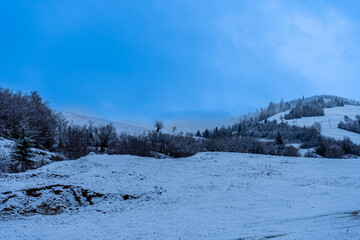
(207, 196)
(329, 122)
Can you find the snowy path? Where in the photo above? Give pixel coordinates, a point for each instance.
(208, 196)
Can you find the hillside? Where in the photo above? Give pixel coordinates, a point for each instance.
(184, 126)
(274, 110)
(207, 196)
(329, 122)
(80, 119)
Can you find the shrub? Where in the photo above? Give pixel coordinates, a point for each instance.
(291, 151)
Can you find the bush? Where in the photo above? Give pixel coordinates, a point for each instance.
(350, 124)
(334, 151)
(330, 148)
(291, 151)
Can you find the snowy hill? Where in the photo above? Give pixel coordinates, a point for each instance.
(329, 122)
(79, 119)
(131, 128)
(207, 196)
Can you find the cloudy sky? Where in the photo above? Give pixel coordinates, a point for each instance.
(146, 60)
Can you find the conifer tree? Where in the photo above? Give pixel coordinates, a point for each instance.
(279, 143)
(22, 151)
(206, 133)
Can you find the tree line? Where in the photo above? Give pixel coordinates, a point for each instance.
(352, 125)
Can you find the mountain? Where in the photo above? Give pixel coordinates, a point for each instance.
(185, 126)
(329, 122)
(79, 119)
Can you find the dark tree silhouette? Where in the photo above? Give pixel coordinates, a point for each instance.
(22, 151)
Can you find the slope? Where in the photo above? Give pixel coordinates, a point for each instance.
(329, 122)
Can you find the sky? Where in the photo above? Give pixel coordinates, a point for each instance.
(172, 59)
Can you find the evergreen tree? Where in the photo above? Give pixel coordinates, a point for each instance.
(216, 132)
(22, 151)
(206, 134)
(239, 128)
(198, 134)
(279, 143)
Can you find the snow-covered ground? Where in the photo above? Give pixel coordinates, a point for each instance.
(329, 122)
(207, 196)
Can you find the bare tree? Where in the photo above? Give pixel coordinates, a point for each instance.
(105, 136)
(159, 125)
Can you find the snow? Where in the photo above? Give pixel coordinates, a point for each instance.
(329, 122)
(207, 196)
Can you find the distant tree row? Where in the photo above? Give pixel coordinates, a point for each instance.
(303, 107)
(266, 130)
(310, 109)
(352, 125)
(157, 144)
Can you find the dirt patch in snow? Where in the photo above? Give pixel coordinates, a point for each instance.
(46, 200)
(147, 196)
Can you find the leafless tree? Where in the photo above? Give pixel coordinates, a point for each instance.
(159, 125)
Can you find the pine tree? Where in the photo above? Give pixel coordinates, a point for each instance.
(206, 133)
(22, 151)
(239, 128)
(198, 134)
(216, 132)
(279, 143)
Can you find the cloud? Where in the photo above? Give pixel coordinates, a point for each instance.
(319, 48)
(318, 44)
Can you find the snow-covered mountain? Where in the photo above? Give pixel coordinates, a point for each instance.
(135, 128)
(207, 196)
(80, 119)
(329, 122)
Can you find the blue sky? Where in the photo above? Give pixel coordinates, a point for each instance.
(146, 60)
